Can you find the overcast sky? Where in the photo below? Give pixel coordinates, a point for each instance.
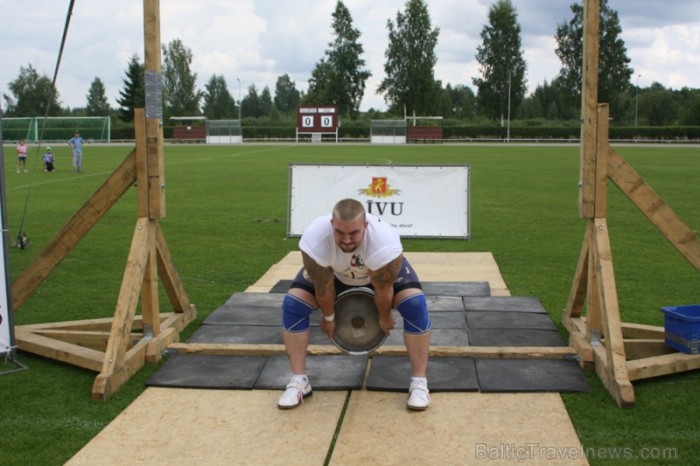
(256, 41)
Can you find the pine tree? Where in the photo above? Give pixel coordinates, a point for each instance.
(132, 95)
(97, 103)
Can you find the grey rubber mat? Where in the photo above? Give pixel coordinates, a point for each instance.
(334, 372)
(438, 337)
(514, 337)
(530, 375)
(246, 334)
(393, 373)
(445, 303)
(248, 309)
(504, 303)
(208, 371)
(456, 288)
(509, 320)
(447, 319)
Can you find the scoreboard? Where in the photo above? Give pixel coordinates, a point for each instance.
(314, 119)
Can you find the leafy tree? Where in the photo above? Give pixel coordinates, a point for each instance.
(319, 92)
(218, 102)
(251, 104)
(32, 95)
(97, 103)
(132, 95)
(500, 57)
(341, 76)
(613, 70)
(410, 62)
(548, 102)
(657, 105)
(180, 96)
(463, 101)
(287, 97)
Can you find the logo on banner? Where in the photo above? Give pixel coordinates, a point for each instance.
(379, 187)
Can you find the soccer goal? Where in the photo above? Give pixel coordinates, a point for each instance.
(32, 129)
(224, 132)
(388, 131)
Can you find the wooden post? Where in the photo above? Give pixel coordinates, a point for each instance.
(589, 103)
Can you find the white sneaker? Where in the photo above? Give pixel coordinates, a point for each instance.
(418, 394)
(297, 389)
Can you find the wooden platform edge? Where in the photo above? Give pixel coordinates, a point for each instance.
(491, 352)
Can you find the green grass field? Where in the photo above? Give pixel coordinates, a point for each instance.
(226, 224)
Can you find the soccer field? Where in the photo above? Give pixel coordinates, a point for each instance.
(225, 226)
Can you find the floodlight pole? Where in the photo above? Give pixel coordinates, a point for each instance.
(508, 126)
(636, 101)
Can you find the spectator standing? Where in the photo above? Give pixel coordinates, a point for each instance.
(76, 144)
(22, 156)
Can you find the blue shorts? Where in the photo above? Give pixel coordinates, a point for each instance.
(414, 310)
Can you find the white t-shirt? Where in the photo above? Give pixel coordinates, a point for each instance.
(380, 245)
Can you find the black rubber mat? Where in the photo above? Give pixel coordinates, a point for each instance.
(461, 316)
(281, 286)
(334, 372)
(509, 320)
(514, 337)
(393, 374)
(504, 303)
(530, 375)
(208, 371)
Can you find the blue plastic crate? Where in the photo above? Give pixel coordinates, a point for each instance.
(682, 327)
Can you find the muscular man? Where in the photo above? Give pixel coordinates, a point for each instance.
(347, 249)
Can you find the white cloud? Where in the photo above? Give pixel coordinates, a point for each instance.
(256, 41)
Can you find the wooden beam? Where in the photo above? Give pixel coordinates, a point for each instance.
(96, 340)
(641, 348)
(75, 230)
(171, 279)
(579, 287)
(632, 330)
(662, 365)
(614, 365)
(503, 352)
(80, 356)
(589, 103)
(115, 364)
(154, 127)
(601, 161)
(654, 208)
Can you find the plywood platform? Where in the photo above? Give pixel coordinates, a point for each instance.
(223, 427)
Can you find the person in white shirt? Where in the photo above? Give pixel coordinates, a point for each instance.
(346, 249)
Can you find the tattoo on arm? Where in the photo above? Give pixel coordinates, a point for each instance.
(321, 277)
(385, 276)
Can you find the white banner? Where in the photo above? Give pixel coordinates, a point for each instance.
(418, 200)
(5, 329)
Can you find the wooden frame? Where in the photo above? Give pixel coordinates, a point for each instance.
(620, 352)
(117, 347)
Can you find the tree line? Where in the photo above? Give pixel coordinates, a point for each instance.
(409, 86)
